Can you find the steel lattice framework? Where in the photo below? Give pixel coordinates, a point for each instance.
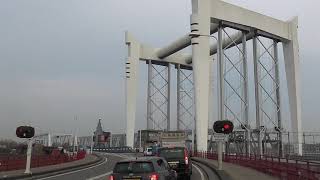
(185, 99)
(268, 87)
(234, 87)
(158, 100)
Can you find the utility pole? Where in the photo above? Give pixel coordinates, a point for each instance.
(75, 142)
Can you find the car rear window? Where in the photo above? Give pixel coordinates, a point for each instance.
(171, 153)
(133, 167)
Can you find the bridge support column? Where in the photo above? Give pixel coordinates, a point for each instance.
(277, 84)
(220, 55)
(132, 65)
(245, 105)
(257, 93)
(200, 28)
(49, 140)
(292, 68)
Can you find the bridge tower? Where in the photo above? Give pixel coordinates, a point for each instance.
(245, 42)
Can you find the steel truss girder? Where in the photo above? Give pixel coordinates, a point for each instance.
(234, 89)
(261, 89)
(239, 68)
(185, 101)
(158, 99)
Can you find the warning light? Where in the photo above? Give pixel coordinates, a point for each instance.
(25, 132)
(224, 126)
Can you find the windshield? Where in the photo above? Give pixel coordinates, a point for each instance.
(133, 167)
(172, 153)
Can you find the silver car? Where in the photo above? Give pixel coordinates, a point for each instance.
(143, 168)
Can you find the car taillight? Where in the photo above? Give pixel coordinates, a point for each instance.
(154, 177)
(111, 177)
(186, 159)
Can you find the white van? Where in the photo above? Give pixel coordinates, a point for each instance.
(148, 152)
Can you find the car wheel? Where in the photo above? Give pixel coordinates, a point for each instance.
(188, 177)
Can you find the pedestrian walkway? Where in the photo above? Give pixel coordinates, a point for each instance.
(236, 172)
(89, 159)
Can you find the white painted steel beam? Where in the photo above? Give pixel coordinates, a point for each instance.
(292, 68)
(221, 10)
(181, 43)
(132, 69)
(236, 37)
(257, 92)
(200, 23)
(149, 53)
(220, 68)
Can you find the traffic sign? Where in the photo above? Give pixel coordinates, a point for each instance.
(220, 137)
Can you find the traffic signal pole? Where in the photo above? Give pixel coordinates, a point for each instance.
(29, 152)
(220, 155)
(222, 129)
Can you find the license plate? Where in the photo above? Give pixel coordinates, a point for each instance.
(132, 178)
(173, 164)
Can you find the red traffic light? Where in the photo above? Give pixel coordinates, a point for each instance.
(224, 127)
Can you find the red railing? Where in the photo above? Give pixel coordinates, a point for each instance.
(283, 168)
(15, 162)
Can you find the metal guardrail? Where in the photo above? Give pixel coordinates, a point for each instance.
(283, 168)
(8, 163)
(115, 150)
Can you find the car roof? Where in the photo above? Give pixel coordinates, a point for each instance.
(140, 159)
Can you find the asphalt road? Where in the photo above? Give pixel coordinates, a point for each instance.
(205, 172)
(104, 169)
(90, 173)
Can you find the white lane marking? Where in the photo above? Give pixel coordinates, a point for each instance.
(119, 155)
(199, 170)
(100, 176)
(72, 172)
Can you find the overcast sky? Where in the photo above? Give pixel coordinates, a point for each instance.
(65, 58)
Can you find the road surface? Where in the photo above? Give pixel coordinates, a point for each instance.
(103, 170)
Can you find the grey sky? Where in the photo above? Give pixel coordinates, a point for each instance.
(64, 58)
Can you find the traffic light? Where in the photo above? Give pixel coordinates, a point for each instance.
(25, 132)
(225, 127)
